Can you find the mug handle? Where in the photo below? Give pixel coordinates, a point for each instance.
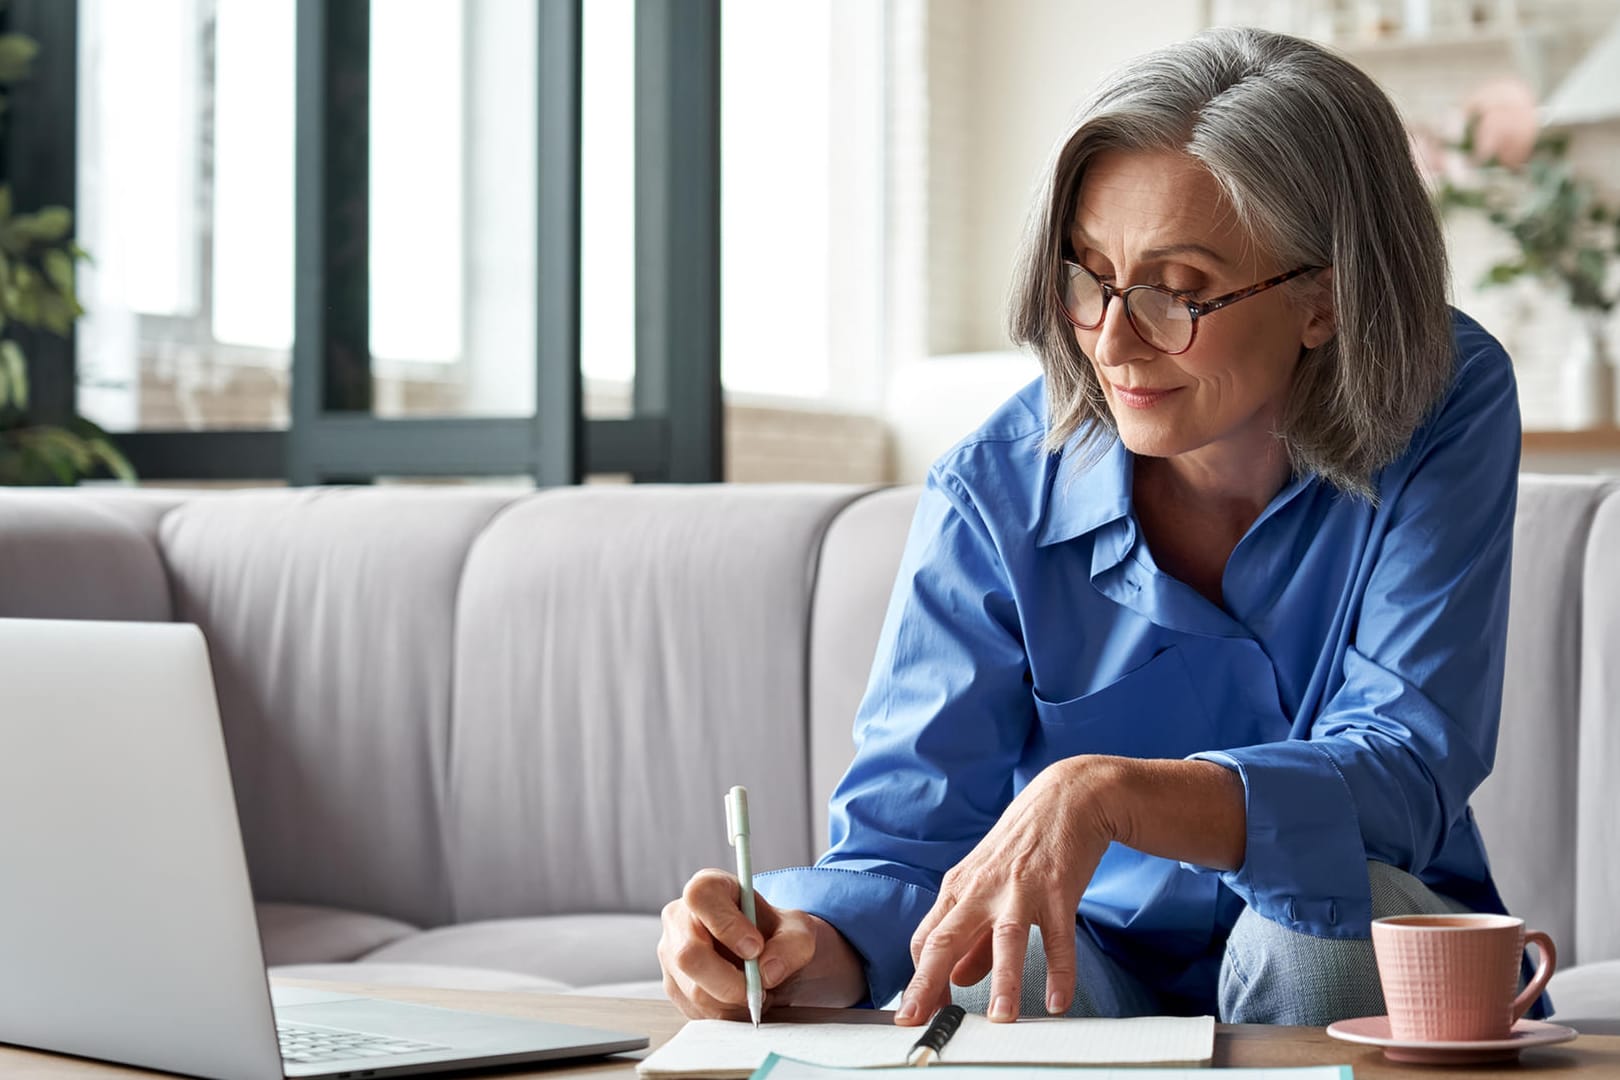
(1544, 972)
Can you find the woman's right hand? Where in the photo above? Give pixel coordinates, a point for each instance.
(706, 938)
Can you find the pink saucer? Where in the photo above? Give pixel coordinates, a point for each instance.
(1374, 1031)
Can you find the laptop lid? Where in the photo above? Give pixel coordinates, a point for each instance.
(126, 918)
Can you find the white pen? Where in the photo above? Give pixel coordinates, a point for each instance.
(737, 833)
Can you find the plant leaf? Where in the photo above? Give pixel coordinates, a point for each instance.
(115, 461)
(59, 269)
(17, 52)
(15, 367)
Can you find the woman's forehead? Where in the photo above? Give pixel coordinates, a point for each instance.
(1151, 202)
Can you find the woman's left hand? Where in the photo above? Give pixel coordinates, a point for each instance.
(1030, 869)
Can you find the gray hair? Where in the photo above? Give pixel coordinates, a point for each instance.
(1318, 169)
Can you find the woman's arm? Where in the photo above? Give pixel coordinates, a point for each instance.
(1387, 765)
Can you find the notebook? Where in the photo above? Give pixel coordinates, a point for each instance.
(729, 1048)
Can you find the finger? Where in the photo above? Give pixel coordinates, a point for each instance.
(975, 965)
(930, 986)
(711, 1008)
(1057, 934)
(943, 906)
(715, 900)
(789, 946)
(703, 972)
(1009, 942)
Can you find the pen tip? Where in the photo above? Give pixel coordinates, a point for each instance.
(753, 1012)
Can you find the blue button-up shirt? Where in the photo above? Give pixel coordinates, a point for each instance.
(1352, 678)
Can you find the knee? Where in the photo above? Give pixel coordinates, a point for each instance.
(1271, 974)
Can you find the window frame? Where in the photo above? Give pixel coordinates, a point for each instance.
(675, 432)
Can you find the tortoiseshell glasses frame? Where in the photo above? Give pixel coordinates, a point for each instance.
(1196, 309)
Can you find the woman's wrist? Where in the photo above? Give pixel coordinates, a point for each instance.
(835, 976)
(1191, 811)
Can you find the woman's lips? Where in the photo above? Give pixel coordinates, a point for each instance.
(1141, 399)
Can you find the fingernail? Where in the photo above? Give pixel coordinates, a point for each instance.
(750, 947)
(908, 1009)
(772, 969)
(1054, 1003)
(1002, 1008)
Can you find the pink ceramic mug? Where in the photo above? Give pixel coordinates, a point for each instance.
(1452, 978)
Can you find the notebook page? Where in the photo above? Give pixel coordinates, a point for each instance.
(733, 1048)
(1169, 1040)
(725, 1048)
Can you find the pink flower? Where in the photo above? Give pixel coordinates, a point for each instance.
(1504, 111)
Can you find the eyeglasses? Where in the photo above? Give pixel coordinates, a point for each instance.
(1164, 319)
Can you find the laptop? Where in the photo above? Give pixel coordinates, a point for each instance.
(127, 928)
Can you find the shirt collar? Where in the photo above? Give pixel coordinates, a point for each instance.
(1080, 497)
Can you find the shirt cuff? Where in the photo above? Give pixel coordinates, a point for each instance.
(1305, 866)
(876, 914)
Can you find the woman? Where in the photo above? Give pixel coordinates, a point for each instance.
(1196, 650)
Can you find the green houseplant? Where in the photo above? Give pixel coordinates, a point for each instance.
(37, 262)
(1566, 236)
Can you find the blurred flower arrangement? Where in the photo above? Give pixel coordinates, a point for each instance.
(1521, 180)
(37, 259)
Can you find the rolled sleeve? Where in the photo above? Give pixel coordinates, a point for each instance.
(1385, 770)
(1305, 868)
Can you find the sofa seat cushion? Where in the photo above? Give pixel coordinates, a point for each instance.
(442, 976)
(308, 934)
(648, 989)
(579, 950)
(1587, 997)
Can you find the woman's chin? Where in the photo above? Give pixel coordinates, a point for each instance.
(1145, 440)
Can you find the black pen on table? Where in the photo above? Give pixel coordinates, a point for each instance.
(925, 1051)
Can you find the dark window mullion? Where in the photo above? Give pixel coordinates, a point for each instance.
(559, 429)
(40, 129)
(678, 231)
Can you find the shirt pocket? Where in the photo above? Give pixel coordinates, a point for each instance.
(1152, 711)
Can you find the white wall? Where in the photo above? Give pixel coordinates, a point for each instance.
(1018, 71)
(1005, 79)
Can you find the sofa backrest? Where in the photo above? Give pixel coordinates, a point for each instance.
(1597, 811)
(623, 658)
(443, 705)
(1527, 807)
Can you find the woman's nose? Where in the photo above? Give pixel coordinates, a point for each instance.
(1117, 341)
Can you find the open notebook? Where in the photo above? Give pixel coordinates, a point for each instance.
(728, 1048)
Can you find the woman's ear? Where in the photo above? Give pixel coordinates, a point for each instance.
(1322, 324)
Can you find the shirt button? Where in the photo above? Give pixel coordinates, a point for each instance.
(1293, 916)
(1333, 913)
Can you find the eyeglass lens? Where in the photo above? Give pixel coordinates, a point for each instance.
(1162, 320)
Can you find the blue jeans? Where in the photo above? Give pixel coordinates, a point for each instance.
(1270, 974)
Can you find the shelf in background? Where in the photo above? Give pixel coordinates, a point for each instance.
(1595, 440)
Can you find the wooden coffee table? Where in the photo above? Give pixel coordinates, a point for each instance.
(1253, 1045)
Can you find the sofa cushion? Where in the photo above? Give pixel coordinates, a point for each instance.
(648, 989)
(1528, 797)
(70, 555)
(306, 934)
(1597, 871)
(577, 950)
(442, 976)
(329, 618)
(859, 560)
(1588, 997)
(622, 658)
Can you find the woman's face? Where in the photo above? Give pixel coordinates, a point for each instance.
(1161, 219)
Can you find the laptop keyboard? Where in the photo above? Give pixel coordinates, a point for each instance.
(305, 1043)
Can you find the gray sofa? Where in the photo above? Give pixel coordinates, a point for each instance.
(480, 737)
